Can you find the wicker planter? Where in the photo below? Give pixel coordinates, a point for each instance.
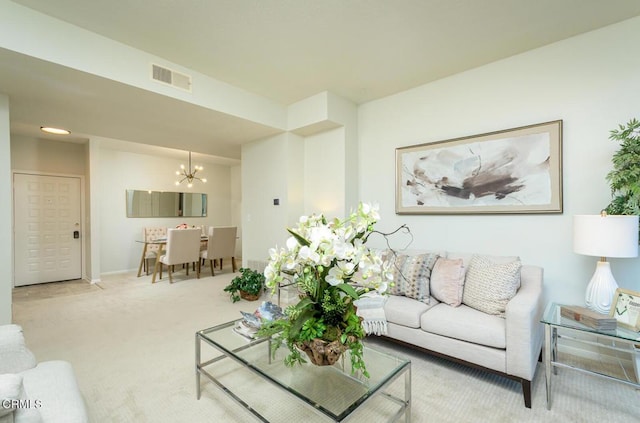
(249, 297)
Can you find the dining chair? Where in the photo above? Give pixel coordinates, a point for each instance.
(151, 252)
(183, 247)
(204, 233)
(221, 244)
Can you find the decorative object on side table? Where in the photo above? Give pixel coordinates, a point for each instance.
(322, 257)
(626, 309)
(588, 317)
(248, 285)
(604, 236)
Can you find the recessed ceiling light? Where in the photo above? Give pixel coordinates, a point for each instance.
(56, 131)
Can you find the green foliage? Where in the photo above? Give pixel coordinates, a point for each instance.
(624, 179)
(333, 317)
(249, 281)
(333, 307)
(312, 328)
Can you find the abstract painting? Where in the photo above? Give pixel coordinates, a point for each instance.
(517, 170)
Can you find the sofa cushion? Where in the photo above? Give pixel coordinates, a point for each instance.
(10, 389)
(447, 281)
(489, 285)
(411, 276)
(15, 357)
(54, 384)
(466, 324)
(405, 311)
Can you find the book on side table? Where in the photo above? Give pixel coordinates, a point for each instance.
(588, 317)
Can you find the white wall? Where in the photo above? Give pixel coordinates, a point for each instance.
(122, 170)
(591, 82)
(271, 168)
(47, 156)
(324, 170)
(6, 247)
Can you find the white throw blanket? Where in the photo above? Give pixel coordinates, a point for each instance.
(371, 309)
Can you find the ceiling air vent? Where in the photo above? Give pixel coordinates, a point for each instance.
(171, 77)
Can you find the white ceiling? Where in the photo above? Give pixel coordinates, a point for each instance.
(285, 50)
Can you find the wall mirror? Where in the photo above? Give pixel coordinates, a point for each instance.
(165, 204)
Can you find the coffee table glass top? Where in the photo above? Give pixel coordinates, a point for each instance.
(331, 389)
(552, 317)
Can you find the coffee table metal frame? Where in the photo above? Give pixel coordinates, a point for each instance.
(404, 368)
(553, 321)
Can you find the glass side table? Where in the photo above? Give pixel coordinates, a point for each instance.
(617, 340)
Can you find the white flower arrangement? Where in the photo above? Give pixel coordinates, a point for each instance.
(332, 251)
(332, 267)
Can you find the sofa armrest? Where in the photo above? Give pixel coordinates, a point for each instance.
(15, 357)
(524, 330)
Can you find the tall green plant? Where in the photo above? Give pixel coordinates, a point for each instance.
(624, 179)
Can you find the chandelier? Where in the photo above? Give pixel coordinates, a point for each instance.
(189, 175)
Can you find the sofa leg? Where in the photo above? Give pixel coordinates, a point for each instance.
(526, 391)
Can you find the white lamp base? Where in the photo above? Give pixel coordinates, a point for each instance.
(601, 289)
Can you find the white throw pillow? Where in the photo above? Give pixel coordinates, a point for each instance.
(489, 286)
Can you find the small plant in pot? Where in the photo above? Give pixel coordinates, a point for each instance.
(248, 285)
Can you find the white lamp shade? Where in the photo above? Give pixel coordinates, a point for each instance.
(605, 236)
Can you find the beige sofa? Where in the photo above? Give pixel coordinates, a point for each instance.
(507, 344)
(32, 392)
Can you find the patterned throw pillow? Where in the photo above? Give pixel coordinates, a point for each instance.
(447, 281)
(411, 276)
(489, 286)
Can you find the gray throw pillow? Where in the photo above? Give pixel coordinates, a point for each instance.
(411, 276)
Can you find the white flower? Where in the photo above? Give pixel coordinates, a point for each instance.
(334, 277)
(340, 272)
(292, 243)
(290, 263)
(272, 275)
(308, 254)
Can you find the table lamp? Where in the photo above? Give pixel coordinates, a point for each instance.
(604, 236)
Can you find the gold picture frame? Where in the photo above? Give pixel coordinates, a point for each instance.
(517, 170)
(625, 308)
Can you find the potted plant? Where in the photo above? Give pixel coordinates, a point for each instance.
(322, 257)
(624, 179)
(248, 285)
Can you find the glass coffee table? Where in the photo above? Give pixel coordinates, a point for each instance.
(331, 391)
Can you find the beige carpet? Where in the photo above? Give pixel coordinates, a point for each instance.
(132, 347)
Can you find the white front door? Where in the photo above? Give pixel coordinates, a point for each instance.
(46, 219)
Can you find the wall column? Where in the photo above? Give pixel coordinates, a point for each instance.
(93, 224)
(6, 219)
(312, 168)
